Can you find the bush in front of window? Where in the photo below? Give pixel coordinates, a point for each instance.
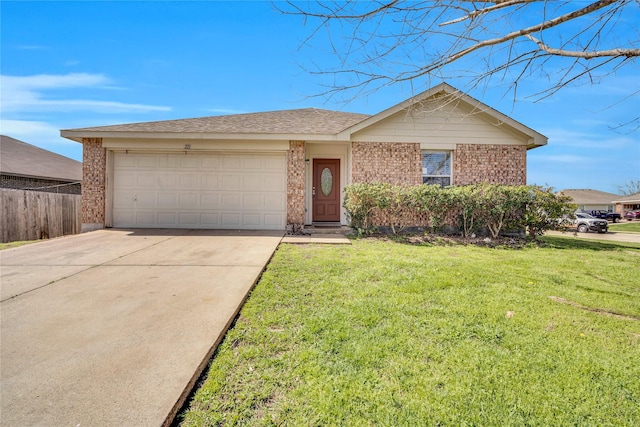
(466, 209)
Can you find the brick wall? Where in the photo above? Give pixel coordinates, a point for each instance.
(34, 184)
(94, 168)
(496, 164)
(396, 163)
(295, 186)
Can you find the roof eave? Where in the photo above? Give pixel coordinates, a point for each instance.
(78, 135)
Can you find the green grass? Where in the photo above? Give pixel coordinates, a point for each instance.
(625, 227)
(10, 245)
(383, 333)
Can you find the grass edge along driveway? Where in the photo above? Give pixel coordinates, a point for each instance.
(384, 333)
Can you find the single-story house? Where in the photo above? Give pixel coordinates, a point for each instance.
(592, 200)
(627, 203)
(286, 169)
(27, 167)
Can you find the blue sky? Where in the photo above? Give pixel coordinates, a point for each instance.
(78, 64)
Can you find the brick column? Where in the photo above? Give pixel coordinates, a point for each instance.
(94, 172)
(295, 187)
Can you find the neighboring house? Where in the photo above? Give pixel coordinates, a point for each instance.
(627, 203)
(592, 200)
(287, 169)
(27, 167)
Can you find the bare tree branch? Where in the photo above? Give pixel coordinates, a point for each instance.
(614, 53)
(383, 42)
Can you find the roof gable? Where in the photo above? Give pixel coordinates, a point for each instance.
(442, 109)
(23, 159)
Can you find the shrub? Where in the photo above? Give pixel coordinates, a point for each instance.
(496, 207)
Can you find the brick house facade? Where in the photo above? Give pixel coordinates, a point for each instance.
(287, 169)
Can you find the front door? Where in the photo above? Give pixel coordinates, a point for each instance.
(326, 190)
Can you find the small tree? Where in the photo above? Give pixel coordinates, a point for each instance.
(546, 210)
(433, 201)
(468, 199)
(501, 206)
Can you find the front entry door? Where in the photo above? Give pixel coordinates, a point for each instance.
(326, 190)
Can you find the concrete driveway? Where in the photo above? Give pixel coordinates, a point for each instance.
(113, 327)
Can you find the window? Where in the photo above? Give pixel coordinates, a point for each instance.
(436, 167)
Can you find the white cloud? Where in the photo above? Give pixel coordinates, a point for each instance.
(20, 128)
(588, 140)
(27, 94)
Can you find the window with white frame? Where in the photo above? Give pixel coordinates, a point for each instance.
(436, 167)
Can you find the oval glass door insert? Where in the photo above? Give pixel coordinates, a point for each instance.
(326, 181)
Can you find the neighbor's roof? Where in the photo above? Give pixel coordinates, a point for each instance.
(301, 121)
(590, 197)
(22, 159)
(634, 198)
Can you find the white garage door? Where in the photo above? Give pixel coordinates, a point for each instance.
(243, 191)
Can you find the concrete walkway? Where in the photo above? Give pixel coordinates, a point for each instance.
(113, 327)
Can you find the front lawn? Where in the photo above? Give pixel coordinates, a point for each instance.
(384, 333)
(625, 227)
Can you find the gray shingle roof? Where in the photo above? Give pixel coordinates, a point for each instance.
(633, 198)
(301, 121)
(590, 197)
(22, 159)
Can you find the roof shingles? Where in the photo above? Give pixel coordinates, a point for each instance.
(300, 121)
(19, 158)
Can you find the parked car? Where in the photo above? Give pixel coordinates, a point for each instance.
(632, 215)
(585, 223)
(609, 216)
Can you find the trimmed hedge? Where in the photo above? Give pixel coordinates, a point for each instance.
(465, 209)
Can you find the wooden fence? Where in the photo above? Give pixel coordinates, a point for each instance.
(32, 215)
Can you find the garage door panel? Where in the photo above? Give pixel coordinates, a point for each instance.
(146, 219)
(189, 201)
(273, 220)
(148, 200)
(252, 201)
(253, 182)
(276, 164)
(210, 162)
(199, 190)
(274, 183)
(146, 180)
(147, 162)
(251, 220)
(168, 200)
(189, 180)
(166, 218)
(230, 220)
(209, 181)
(210, 201)
(210, 219)
(189, 162)
(231, 162)
(274, 202)
(232, 182)
(231, 201)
